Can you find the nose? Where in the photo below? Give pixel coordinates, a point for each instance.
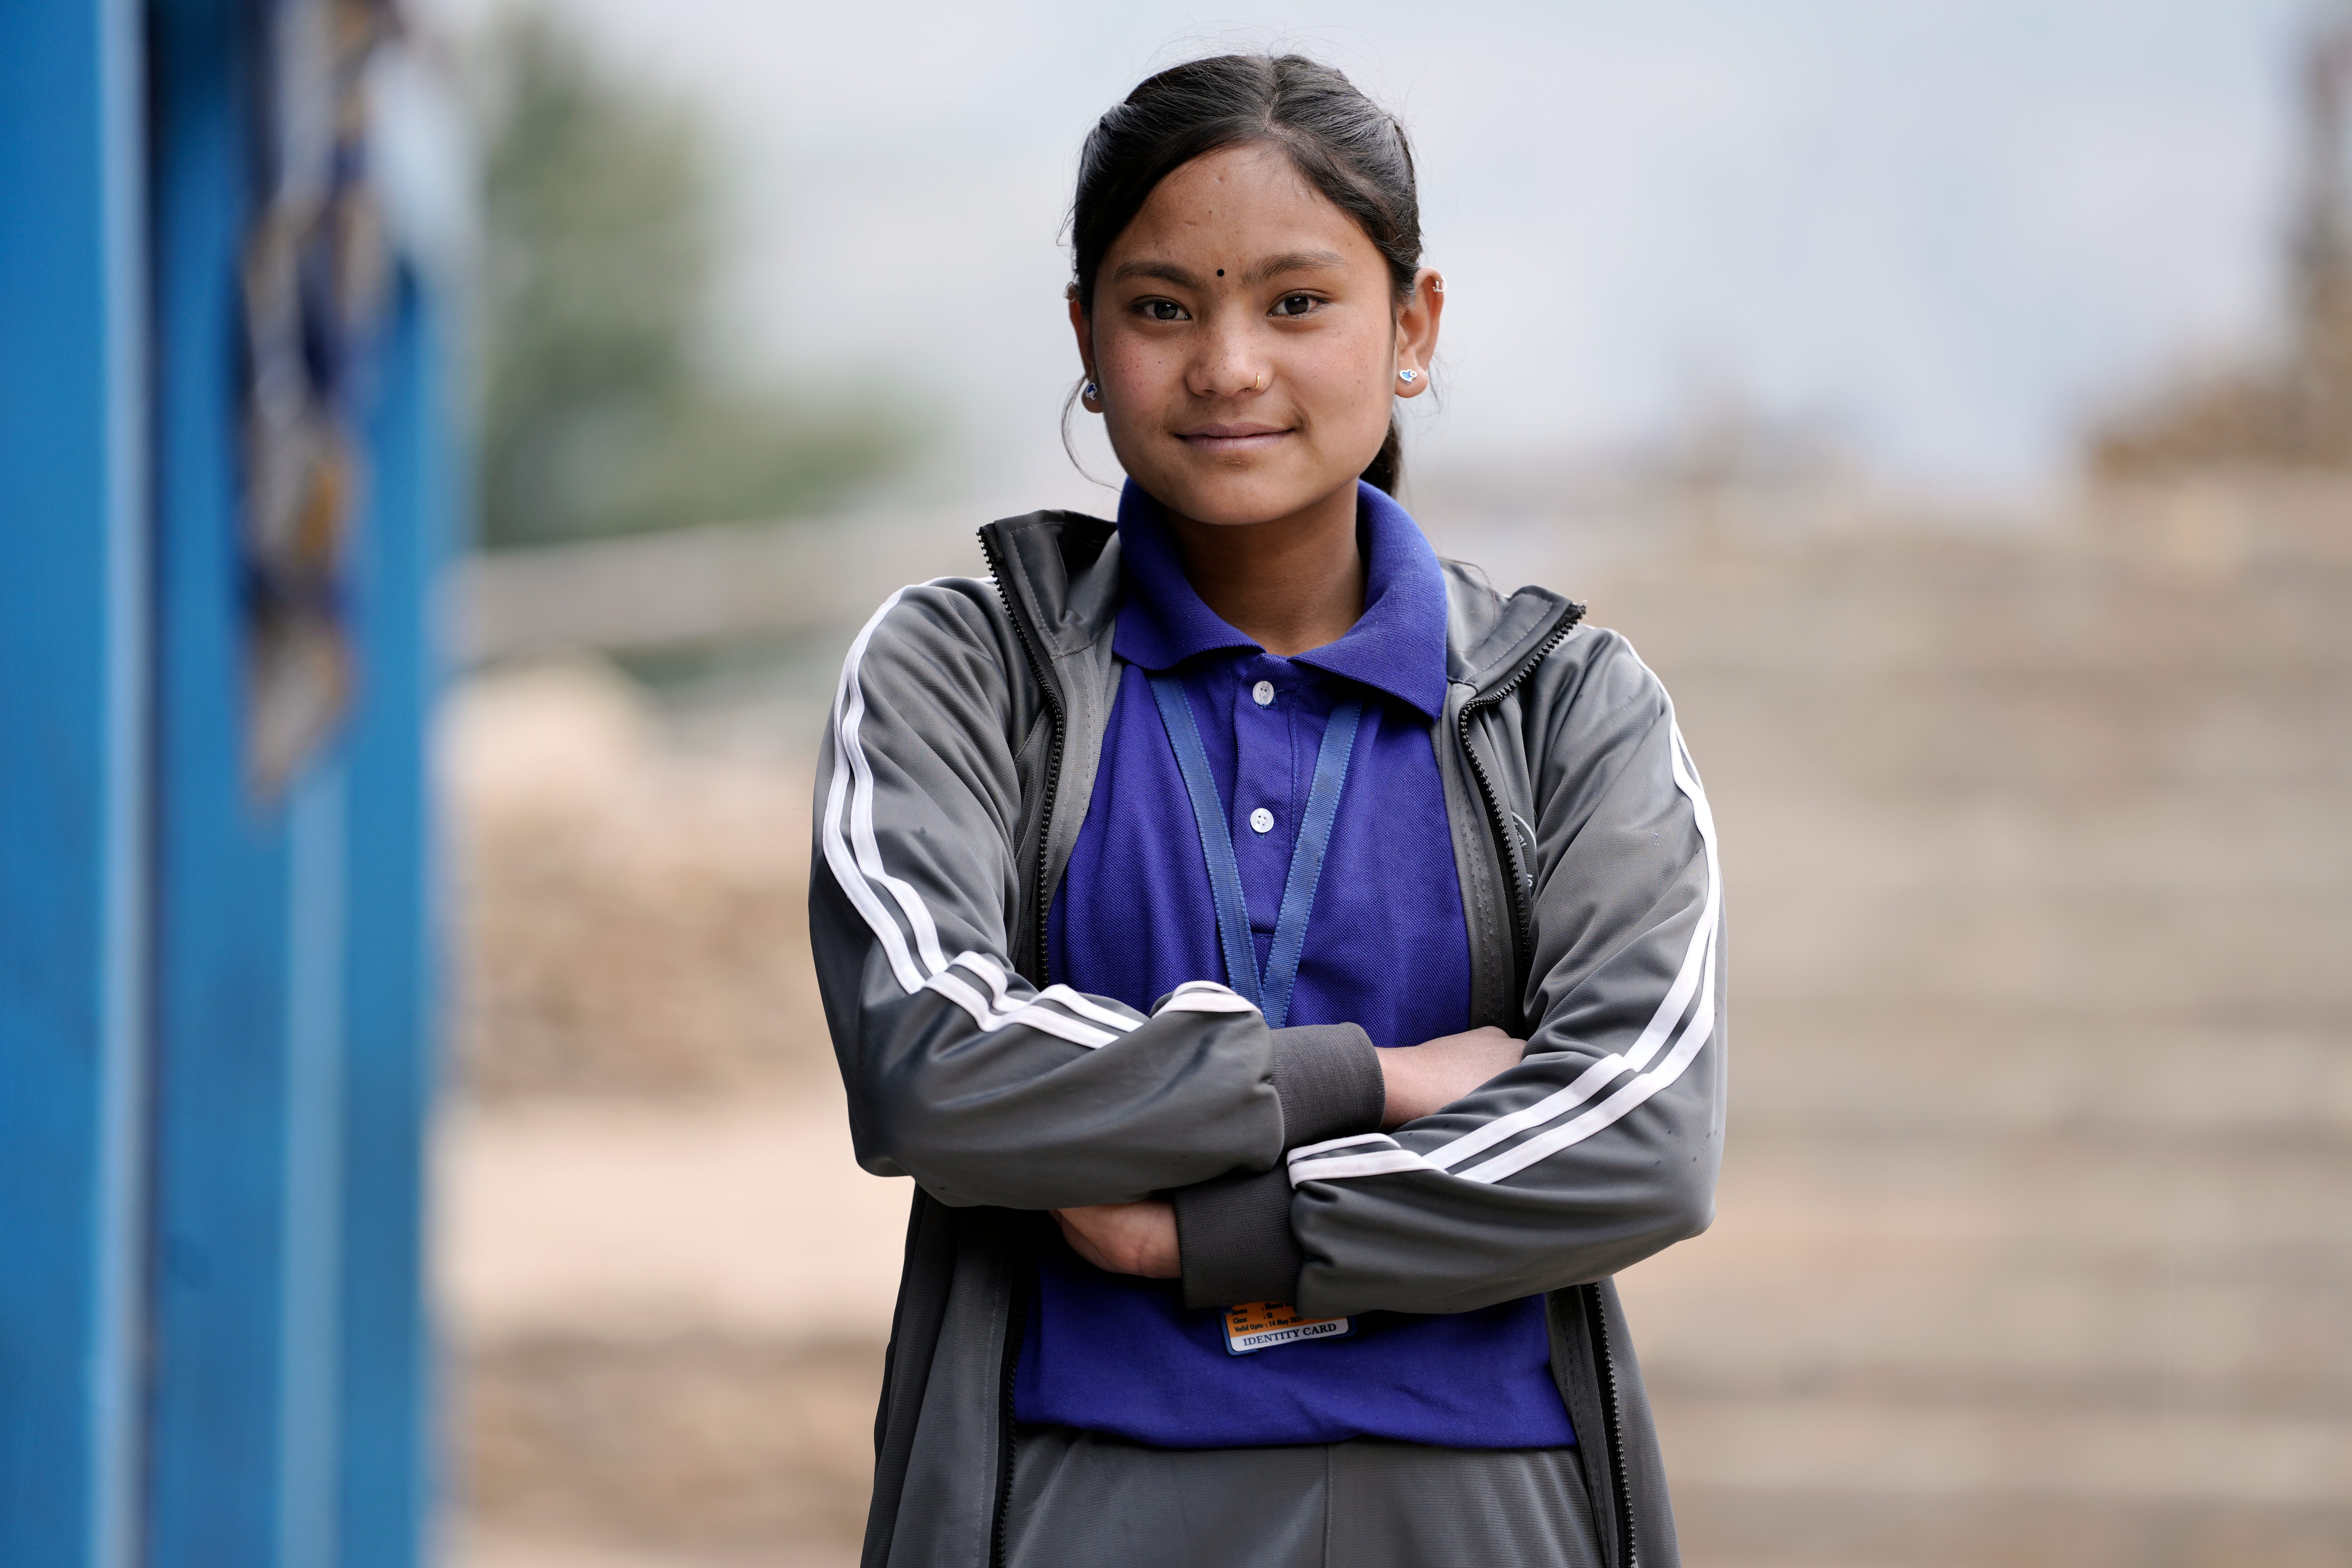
(1227, 365)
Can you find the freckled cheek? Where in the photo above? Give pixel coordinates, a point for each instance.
(1343, 385)
(1140, 374)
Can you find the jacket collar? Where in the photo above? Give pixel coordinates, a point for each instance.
(1060, 572)
(1398, 645)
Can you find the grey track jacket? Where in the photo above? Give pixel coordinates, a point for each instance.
(953, 778)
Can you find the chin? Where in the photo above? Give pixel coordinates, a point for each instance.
(1226, 498)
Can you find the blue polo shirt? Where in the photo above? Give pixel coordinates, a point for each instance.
(1386, 949)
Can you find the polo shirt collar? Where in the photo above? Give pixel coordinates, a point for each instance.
(1397, 646)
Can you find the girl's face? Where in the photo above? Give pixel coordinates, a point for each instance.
(1246, 340)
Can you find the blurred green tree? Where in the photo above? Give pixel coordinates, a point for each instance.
(602, 411)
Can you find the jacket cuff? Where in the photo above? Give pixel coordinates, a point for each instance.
(1329, 1079)
(1232, 1238)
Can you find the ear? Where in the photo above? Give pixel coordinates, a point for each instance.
(1085, 334)
(1416, 334)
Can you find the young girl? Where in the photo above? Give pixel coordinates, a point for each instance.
(1290, 971)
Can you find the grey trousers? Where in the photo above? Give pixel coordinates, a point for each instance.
(1082, 1500)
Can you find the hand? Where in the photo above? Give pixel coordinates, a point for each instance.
(1424, 1078)
(1125, 1238)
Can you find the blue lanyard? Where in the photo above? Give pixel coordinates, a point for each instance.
(1272, 993)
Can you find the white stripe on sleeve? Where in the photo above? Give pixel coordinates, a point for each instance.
(1693, 981)
(1312, 1151)
(848, 710)
(856, 861)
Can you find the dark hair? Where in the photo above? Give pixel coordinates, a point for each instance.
(1347, 146)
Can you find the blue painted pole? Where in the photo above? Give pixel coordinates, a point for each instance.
(224, 867)
(252, 902)
(73, 781)
(392, 974)
(216, 1011)
(294, 972)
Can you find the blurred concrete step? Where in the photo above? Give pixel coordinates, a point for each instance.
(2122, 1279)
(2227, 1205)
(2174, 839)
(471, 1546)
(2241, 954)
(711, 1446)
(2114, 1386)
(1932, 1452)
(2120, 1350)
(1837, 1065)
(1906, 626)
(1825, 1525)
(1904, 604)
(616, 1219)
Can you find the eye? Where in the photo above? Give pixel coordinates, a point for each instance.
(1162, 310)
(1296, 304)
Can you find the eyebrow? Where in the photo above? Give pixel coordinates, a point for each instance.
(1272, 267)
(1297, 261)
(1166, 271)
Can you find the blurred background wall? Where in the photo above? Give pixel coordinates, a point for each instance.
(1952, 401)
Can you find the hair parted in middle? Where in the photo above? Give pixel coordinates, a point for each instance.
(1348, 147)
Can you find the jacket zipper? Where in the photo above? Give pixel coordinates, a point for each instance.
(1605, 1363)
(1040, 669)
(1008, 1432)
(1522, 917)
(1016, 1325)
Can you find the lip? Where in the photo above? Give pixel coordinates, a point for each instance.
(1243, 437)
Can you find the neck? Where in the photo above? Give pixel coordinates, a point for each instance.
(1290, 585)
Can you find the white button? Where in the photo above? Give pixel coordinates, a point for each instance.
(1264, 693)
(1262, 820)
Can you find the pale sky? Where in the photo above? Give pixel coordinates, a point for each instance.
(1949, 228)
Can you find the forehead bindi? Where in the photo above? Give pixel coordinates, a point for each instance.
(1228, 213)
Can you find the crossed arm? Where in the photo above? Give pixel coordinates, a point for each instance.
(1506, 1174)
(1140, 1237)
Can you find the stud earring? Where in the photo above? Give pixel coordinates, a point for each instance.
(1091, 392)
(1408, 376)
